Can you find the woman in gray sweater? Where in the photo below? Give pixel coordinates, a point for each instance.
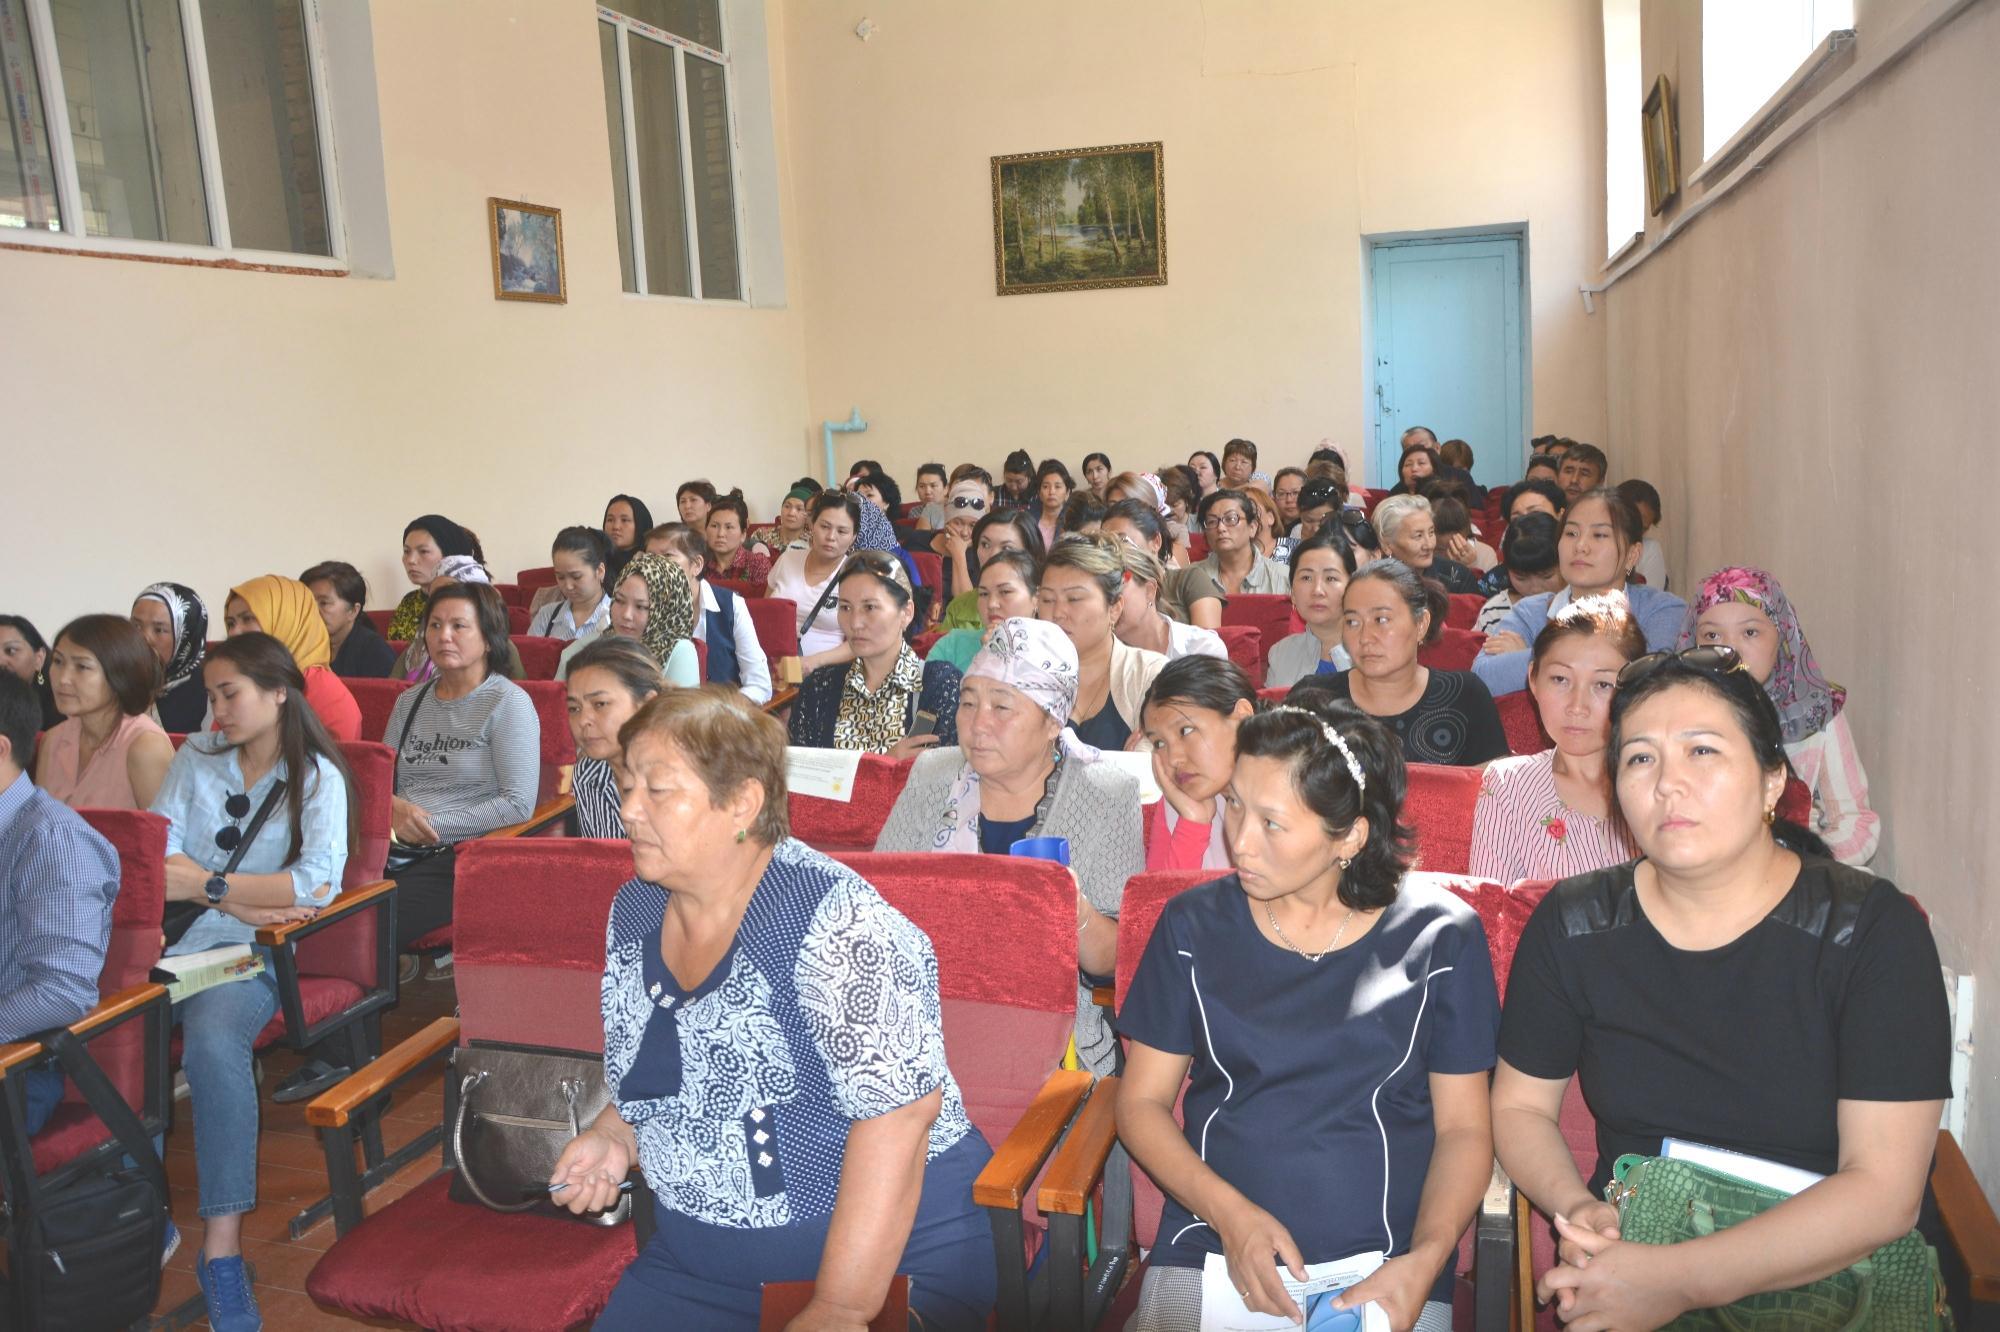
(1016, 773)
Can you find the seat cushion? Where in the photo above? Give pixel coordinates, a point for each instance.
(320, 996)
(436, 1263)
(71, 1131)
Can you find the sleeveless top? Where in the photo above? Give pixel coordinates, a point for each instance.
(104, 784)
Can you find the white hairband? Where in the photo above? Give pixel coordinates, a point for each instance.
(1334, 739)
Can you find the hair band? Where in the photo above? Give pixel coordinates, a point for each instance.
(1333, 738)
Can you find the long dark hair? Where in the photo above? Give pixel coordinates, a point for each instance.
(32, 636)
(302, 738)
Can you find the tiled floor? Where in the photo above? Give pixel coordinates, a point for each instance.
(291, 1173)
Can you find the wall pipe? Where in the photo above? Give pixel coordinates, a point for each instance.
(828, 429)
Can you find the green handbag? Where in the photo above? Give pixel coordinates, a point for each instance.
(1894, 1289)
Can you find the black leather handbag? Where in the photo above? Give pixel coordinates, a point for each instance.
(518, 1107)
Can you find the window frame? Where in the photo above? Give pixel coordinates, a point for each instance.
(73, 237)
(628, 29)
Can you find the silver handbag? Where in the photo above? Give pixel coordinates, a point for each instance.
(518, 1108)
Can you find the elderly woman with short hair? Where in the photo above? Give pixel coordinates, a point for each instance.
(1018, 772)
(1408, 530)
(774, 1047)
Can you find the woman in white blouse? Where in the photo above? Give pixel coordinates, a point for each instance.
(804, 575)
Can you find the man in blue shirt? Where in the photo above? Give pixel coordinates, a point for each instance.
(58, 878)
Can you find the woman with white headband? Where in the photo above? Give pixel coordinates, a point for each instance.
(1334, 1026)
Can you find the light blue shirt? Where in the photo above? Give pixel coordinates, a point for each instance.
(557, 620)
(58, 879)
(192, 798)
(1659, 614)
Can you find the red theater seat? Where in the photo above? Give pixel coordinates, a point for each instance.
(931, 569)
(373, 767)
(539, 656)
(1269, 614)
(740, 587)
(517, 619)
(777, 623)
(380, 619)
(531, 581)
(1439, 805)
(377, 699)
(1246, 649)
(1455, 650)
(837, 827)
(1463, 610)
(1522, 721)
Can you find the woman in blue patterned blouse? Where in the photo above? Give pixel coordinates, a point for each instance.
(773, 1041)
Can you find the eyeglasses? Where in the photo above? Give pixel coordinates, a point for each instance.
(1712, 660)
(1283, 495)
(235, 807)
(1229, 519)
(972, 502)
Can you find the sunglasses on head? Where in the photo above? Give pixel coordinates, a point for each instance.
(1711, 660)
(972, 502)
(235, 807)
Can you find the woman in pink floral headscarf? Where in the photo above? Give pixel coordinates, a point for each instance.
(1746, 609)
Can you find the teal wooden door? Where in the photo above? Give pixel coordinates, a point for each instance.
(1448, 351)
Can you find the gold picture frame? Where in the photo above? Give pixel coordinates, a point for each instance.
(526, 241)
(1080, 219)
(1662, 134)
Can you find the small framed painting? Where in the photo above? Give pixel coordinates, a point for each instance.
(1663, 179)
(527, 252)
(1080, 219)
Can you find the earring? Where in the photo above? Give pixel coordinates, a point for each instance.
(1342, 861)
(742, 833)
(1770, 816)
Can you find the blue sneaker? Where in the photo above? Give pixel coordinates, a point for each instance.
(225, 1284)
(173, 1242)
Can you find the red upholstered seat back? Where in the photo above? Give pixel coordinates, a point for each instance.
(1146, 896)
(551, 700)
(930, 568)
(528, 922)
(531, 581)
(1246, 648)
(1795, 805)
(373, 767)
(380, 619)
(513, 596)
(741, 587)
(140, 839)
(1273, 693)
(1197, 546)
(518, 619)
(377, 699)
(1455, 650)
(539, 656)
(835, 827)
(701, 657)
(1439, 805)
(777, 623)
(1463, 612)
(925, 641)
(1371, 498)
(1522, 720)
(1268, 613)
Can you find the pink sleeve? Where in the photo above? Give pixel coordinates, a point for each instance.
(1183, 848)
(1840, 793)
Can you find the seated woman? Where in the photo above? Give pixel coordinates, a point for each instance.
(1273, 541)
(653, 603)
(1420, 465)
(1082, 513)
(1232, 524)
(1168, 539)
(1458, 538)
(1096, 476)
(1387, 614)
(1140, 622)
(1528, 564)
(1747, 610)
(415, 663)
(1083, 581)
(793, 519)
(998, 530)
(1725, 990)
(1360, 1028)
(269, 782)
(796, 991)
(735, 654)
(1548, 815)
(1409, 533)
(626, 522)
(1191, 714)
(609, 680)
(1052, 490)
(284, 609)
(1018, 773)
(693, 500)
(427, 542)
(730, 554)
(804, 574)
(578, 606)
(174, 620)
(25, 655)
(873, 702)
(109, 753)
(341, 594)
(1321, 566)
(1598, 547)
(1008, 582)
(468, 757)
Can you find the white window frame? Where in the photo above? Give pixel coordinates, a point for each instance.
(69, 190)
(630, 29)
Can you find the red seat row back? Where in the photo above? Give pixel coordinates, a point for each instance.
(1269, 614)
(839, 827)
(1463, 610)
(1454, 650)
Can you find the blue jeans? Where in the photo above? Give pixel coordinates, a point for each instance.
(218, 1029)
(45, 1090)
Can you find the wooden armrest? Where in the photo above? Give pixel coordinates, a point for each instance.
(1968, 1218)
(331, 1108)
(549, 812)
(1499, 1199)
(1080, 1164)
(108, 1011)
(783, 698)
(1004, 1182)
(277, 936)
(1104, 996)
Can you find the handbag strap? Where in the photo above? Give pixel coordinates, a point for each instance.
(106, 1104)
(832, 590)
(409, 720)
(256, 826)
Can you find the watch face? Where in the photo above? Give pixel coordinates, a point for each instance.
(217, 887)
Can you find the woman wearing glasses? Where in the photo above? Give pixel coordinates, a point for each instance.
(267, 787)
(1231, 523)
(873, 702)
(1732, 988)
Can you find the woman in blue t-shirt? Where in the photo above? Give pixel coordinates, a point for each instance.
(1337, 1026)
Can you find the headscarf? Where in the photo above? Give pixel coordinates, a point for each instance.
(1038, 660)
(189, 618)
(875, 531)
(802, 491)
(285, 610)
(1158, 496)
(1805, 700)
(673, 606)
(463, 569)
(642, 523)
(967, 489)
(451, 539)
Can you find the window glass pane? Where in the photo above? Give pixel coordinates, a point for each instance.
(1749, 48)
(1624, 97)
(714, 184)
(662, 203)
(131, 117)
(265, 125)
(696, 20)
(27, 173)
(614, 117)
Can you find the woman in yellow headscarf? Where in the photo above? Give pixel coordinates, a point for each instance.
(284, 608)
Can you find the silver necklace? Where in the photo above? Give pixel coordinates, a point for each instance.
(1286, 939)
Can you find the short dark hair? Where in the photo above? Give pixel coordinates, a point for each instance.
(489, 612)
(1054, 467)
(1284, 472)
(732, 503)
(973, 471)
(1079, 511)
(1547, 489)
(1024, 527)
(1590, 455)
(844, 500)
(1449, 517)
(1324, 784)
(1018, 464)
(20, 717)
(1422, 595)
(1142, 516)
(1242, 446)
(1214, 465)
(1215, 683)
(628, 661)
(131, 671)
(1221, 493)
(1328, 455)
(589, 543)
(1090, 458)
(1331, 536)
(1529, 545)
(1548, 460)
(1429, 451)
(1022, 562)
(1637, 492)
(932, 469)
(348, 584)
(701, 488)
(885, 486)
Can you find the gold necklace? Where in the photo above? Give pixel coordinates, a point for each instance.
(1286, 939)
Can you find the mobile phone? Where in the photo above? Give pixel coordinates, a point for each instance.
(925, 724)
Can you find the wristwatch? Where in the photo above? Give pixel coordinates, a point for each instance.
(217, 888)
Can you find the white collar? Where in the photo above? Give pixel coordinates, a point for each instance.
(708, 601)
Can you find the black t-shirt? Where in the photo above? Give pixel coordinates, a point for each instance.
(1836, 995)
(366, 655)
(183, 708)
(1453, 722)
(1105, 730)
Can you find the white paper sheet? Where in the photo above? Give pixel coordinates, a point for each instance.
(826, 773)
(1223, 1310)
(1140, 764)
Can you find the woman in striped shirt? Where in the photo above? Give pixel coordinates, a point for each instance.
(610, 678)
(1549, 815)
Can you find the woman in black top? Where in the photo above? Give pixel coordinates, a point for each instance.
(341, 593)
(1724, 989)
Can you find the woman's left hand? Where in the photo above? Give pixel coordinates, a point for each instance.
(261, 916)
(818, 1317)
(186, 881)
(1620, 1284)
(912, 745)
(1398, 1286)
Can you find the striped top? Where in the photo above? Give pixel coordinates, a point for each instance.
(1521, 829)
(596, 792)
(474, 763)
(1826, 762)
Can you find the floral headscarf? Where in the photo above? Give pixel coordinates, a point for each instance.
(1805, 699)
(672, 597)
(462, 569)
(285, 610)
(875, 531)
(190, 621)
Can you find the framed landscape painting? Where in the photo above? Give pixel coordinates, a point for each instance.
(1078, 219)
(527, 251)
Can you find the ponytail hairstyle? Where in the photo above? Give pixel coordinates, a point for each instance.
(586, 543)
(1296, 733)
(1424, 596)
(732, 503)
(302, 738)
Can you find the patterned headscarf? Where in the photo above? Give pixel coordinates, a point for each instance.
(672, 599)
(190, 620)
(875, 532)
(463, 569)
(1159, 495)
(285, 610)
(1805, 700)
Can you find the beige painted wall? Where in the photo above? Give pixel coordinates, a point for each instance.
(225, 424)
(1799, 371)
(1291, 130)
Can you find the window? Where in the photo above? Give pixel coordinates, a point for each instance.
(1624, 146)
(186, 122)
(1749, 49)
(668, 107)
